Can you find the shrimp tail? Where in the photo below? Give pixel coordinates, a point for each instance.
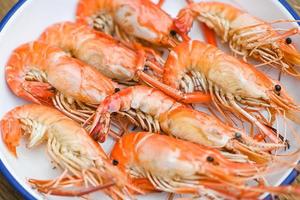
(184, 21)
(11, 133)
(100, 127)
(38, 92)
(209, 34)
(23, 81)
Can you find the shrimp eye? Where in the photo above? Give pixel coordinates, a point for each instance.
(277, 88)
(146, 68)
(173, 33)
(117, 89)
(238, 135)
(115, 162)
(210, 159)
(288, 40)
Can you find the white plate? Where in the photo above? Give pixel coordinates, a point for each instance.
(29, 18)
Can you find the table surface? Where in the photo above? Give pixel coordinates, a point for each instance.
(6, 191)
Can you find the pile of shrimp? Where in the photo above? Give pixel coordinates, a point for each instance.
(186, 117)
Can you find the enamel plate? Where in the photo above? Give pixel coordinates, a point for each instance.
(26, 21)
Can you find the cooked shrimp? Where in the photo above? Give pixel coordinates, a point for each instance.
(110, 57)
(194, 67)
(176, 166)
(248, 36)
(85, 164)
(154, 111)
(129, 20)
(47, 75)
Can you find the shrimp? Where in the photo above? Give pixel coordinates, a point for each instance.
(209, 35)
(129, 20)
(234, 86)
(110, 57)
(47, 75)
(248, 36)
(85, 164)
(154, 111)
(176, 166)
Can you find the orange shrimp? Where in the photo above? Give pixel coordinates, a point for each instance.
(129, 20)
(154, 111)
(47, 75)
(176, 166)
(109, 56)
(209, 35)
(194, 67)
(248, 36)
(85, 164)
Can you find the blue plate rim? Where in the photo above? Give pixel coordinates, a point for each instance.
(290, 9)
(26, 195)
(8, 176)
(10, 13)
(294, 173)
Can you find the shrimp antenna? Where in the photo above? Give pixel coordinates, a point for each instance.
(81, 192)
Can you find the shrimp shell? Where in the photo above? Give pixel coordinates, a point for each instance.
(83, 161)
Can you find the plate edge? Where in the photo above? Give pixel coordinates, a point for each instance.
(293, 174)
(26, 195)
(4, 171)
(290, 9)
(10, 13)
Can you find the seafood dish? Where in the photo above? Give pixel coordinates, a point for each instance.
(131, 99)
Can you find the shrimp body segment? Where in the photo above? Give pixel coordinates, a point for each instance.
(235, 86)
(109, 56)
(248, 36)
(112, 58)
(129, 20)
(154, 111)
(69, 146)
(177, 166)
(47, 75)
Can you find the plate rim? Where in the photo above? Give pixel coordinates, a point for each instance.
(4, 171)
(27, 195)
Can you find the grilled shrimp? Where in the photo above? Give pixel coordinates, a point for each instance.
(154, 111)
(234, 86)
(248, 36)
(85, 164)
(167, 164)
(47, 75)
(97, 49)
(129, 20)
